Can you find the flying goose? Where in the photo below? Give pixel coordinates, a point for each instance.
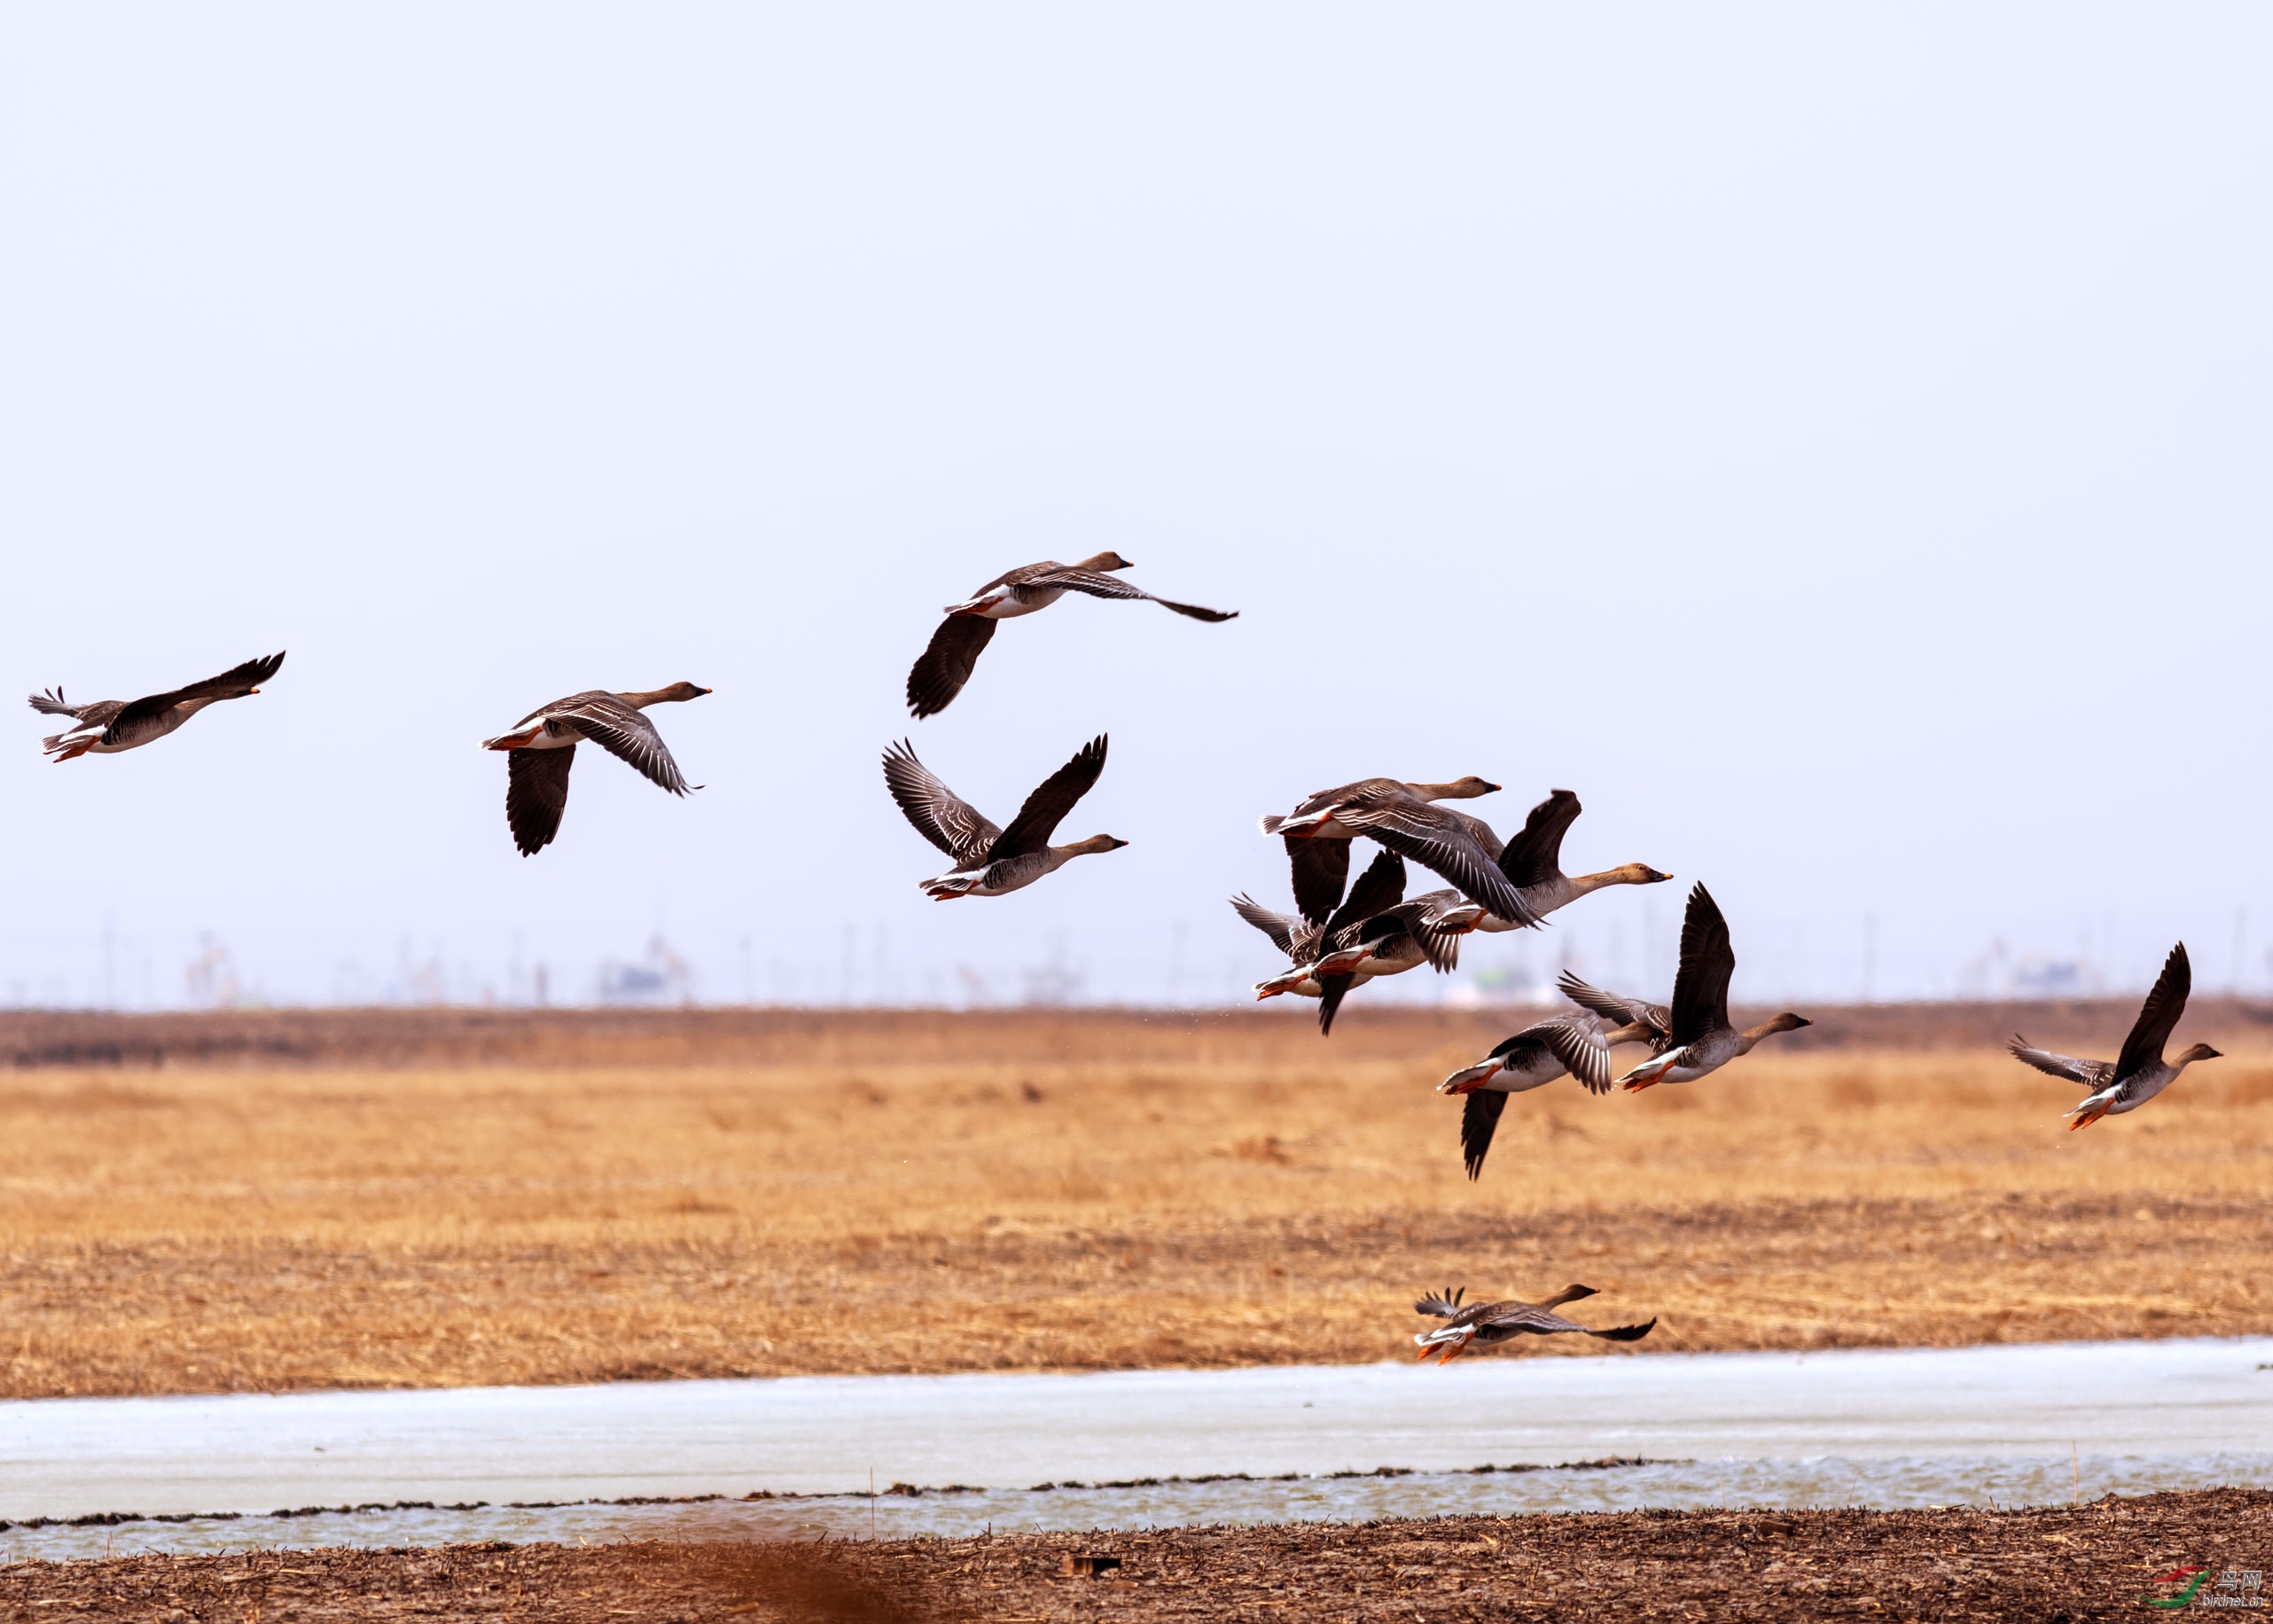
(1318, 846)
(1417, 830)
(542, 748)
(1703, 1040)
(107, 726)
(1638, 1022)
(1391, 942)
(1532, 860)
(1381, 886)
(1499, 1322)
(947, 664)
(1571, 1044)
(1370, 934)
(2140, 1073)
(991, 862)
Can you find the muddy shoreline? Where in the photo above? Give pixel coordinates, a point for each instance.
(2090, 1561)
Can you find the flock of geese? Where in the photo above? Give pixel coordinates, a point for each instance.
(1341, 934)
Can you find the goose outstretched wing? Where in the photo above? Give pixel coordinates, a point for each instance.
(1440, 841)
(1576, 1041)
(947, 663)
(937, 813)
(1277, 927)
(1480, 1120)
(536, 794)
(1038, 819)
(625, 733)
(1535, 855)
(2093, 1074)
(135, 716)
(1096, 583)
(1321, 870)
(1612, 1006)
(1700, 987)
(2158, 1017)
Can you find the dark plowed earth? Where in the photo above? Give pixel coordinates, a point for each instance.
(2098, 1561)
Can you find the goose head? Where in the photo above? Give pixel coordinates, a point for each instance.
(2199, 1052)
(1107, 560)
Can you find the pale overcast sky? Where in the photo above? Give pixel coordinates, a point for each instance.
(1833, 441)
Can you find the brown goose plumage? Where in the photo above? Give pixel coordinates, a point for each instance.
(543, 748)
(2140, 1072)
(991, 860)
(106, 727)
(946, 665)
(1500, 1321)
(1702, 1040)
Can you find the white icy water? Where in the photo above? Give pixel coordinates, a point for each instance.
(1875, 1427)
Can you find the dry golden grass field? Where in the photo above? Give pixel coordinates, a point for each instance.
(306, 1201)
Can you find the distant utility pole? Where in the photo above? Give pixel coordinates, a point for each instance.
(2240, 935)
(1870, 954)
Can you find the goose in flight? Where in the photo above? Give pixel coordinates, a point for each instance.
(542, 748)
(1569, 1044)
(988, 861)
(1318, 848)
(1381, 886)
(2139, 1073)
(1702, 1040)
(1391, 942)
(1405, 818)
(1370, 934)
(107, 726)
(947, 664)
(1499, 1322)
